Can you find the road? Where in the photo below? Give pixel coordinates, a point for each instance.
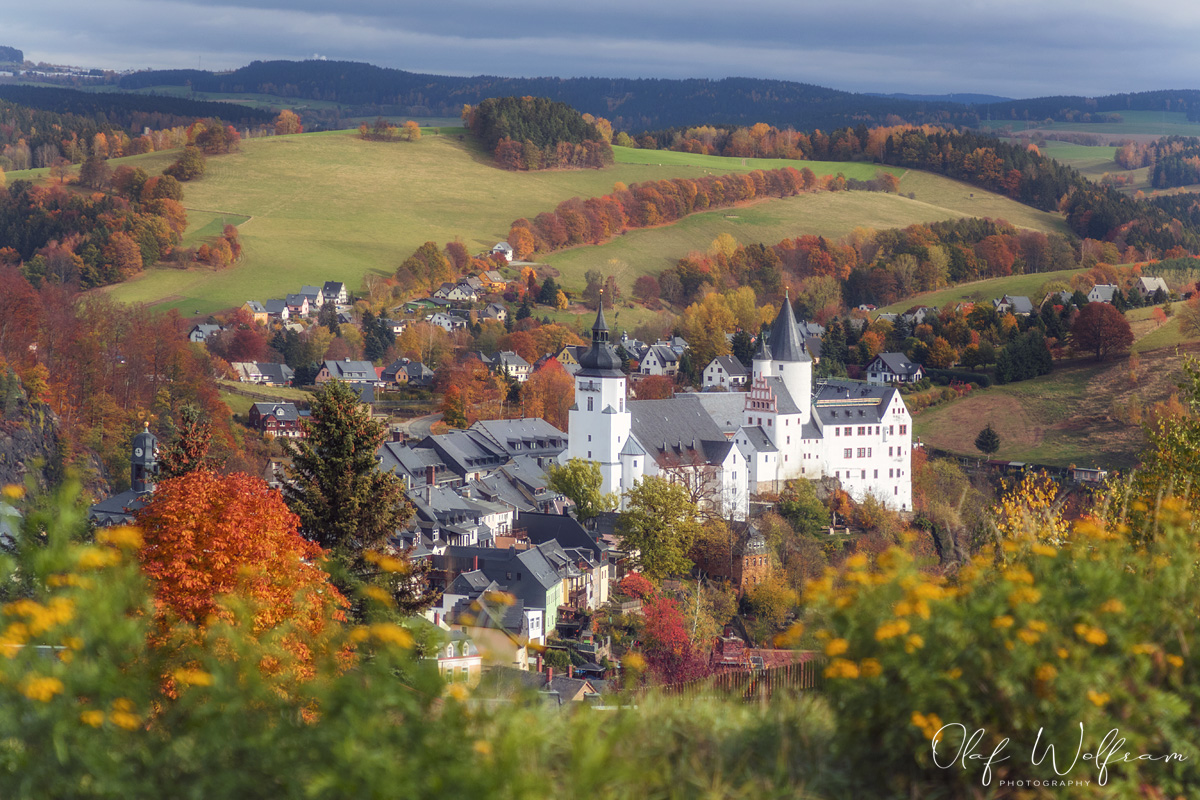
(419, 427)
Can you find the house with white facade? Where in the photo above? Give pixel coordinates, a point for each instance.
(660, 359)
(893, 368)
(503, 249)
(725, 372)
(1103, 293)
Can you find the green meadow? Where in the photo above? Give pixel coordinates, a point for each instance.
(979, 291)
(1139, 123)
(329, 206)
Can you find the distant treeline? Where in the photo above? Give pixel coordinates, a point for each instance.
(631, 104)
(11, 55)
(535, 133)
(133, 112)
(636, 105)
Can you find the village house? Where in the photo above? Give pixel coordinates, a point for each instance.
(297, 305)
(315, 297)
(1103, 293)
(503, 249)
(660, 359)
(277, 310)
(202, 332)
(493, 281)
(335, 292)
(1012, 304)
(348, 371)
(447, 322)
(1149, 287)
(494, 311)
(262, 372)
(279, 419)
(887, 368)
(724, 372)
(256, 310)
(506, 362)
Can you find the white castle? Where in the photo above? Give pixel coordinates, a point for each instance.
(727, 446)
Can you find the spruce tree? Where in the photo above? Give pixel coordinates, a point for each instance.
(344, 502)
(189, 448)
(351, 508)
(988, 441)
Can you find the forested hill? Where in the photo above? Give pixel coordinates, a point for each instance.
(631, 104)
(1094, 109)
(129, 111)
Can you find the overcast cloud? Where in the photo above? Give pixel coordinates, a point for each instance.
(1018, 48)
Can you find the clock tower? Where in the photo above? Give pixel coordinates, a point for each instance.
(144, 467)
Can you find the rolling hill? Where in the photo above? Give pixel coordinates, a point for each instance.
(329, 206)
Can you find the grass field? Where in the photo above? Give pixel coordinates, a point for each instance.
(721, 165)
(330, 206)
(1075, 415)
(979, 291)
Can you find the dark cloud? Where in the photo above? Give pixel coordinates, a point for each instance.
(1020, 48)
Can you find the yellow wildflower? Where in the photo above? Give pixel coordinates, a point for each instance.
(1113, 606)
(1175, 661)
(193, 677)
(385, 562)
(1046, 673)
(1037, 625)
(94, 718)
(954, 674)
(391, 634)
(379, 595)
(1144, 649)
(1024, 594)
(1018, 575)
(13, 492)
(482, 747)
(1027, 636)
(1043, 550)
(903, 609)
(870, 668)
(39, 688)
(930, 726)
(1098, 698)
(913, 643)
(457, 691)
(1063, 653)
(1005, 621)
(841, 668)
(791, 637)
(836, 647)
(1090, 634)
(889, 630)
(857, 561)
(122, 536)
(96, 558)
(123, 719)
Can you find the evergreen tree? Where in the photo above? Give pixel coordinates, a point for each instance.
(344, 502)
(327, 316)
(188, 449)
(988, 441)
(549, 292)
(1079, 299)
(833, 344)
(351, 508)
(743, 348)
(524, 312)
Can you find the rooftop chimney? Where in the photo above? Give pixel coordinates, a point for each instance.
(430, 474)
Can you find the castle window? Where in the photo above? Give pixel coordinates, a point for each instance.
(770, 422)
(848, 453)
(862, 452)
(590, 404)
(789, 440)
(903, 430)
(890, 451)
(837, 431)
(876, 473)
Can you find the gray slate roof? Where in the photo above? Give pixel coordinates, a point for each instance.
(840, 403)
(785, 339)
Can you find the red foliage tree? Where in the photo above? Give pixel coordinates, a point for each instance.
(1100, 329)
(669, 652)
(210, 539)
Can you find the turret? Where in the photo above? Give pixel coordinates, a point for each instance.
(599, 422)
(144, 460)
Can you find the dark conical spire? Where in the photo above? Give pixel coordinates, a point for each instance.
(785, 340)
(601, 360)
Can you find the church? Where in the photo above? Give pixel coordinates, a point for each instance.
(727, 446)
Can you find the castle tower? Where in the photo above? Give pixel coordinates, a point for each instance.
(599, 422)
(789, 359)
(144, 466)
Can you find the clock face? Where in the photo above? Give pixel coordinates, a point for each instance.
(137, 451)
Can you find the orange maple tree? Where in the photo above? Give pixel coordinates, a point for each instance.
(211, 539)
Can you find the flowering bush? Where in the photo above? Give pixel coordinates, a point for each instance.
(1033, 637)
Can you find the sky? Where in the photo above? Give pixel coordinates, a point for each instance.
(1018, 48)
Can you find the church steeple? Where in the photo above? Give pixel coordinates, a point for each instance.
(601, 360)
